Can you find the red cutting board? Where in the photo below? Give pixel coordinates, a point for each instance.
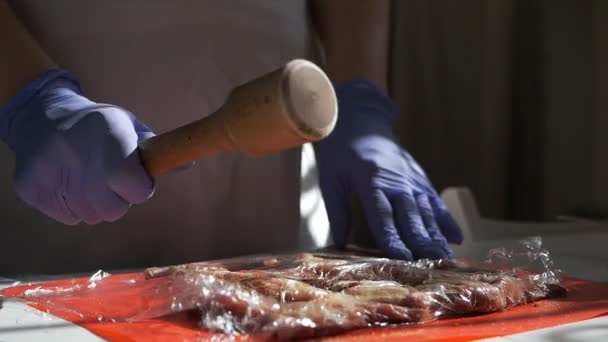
(124, 295)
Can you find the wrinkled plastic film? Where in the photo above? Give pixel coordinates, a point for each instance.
(526, 256)
(321, 293)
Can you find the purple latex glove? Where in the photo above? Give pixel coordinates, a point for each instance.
(76, 160)
(406, 215)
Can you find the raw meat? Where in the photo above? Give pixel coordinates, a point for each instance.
(307, 295)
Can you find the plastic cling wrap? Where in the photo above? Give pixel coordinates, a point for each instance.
(321, 293)
(314, 294)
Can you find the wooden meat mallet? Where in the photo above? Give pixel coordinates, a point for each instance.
(288, 107)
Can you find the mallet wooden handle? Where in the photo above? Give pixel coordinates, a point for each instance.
(286, 108)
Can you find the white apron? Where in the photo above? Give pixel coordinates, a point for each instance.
(172, 62)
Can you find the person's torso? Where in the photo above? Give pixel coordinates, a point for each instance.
(170, 63)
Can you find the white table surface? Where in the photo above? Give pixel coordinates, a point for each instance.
(19, 322)
(590, 330)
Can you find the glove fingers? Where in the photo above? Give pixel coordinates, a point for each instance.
(412, 228)
(109, 205)
(338, 210)
(448, 226)
(81, 208)
(51, 202)
(125, 173)
(143, 131)
(76, 199)
(428, 217)
(131, 182)
(55, 206)
(380, 217)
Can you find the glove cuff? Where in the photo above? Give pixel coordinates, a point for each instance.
(37, 86)
(361, 96)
